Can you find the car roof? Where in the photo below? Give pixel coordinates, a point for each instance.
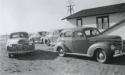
(19, 33)
(78, 28)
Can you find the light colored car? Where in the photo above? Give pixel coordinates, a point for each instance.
(43, 34)
(35, 38)
(52, 37)
(38, 37)
(88, 41)
(19, 43)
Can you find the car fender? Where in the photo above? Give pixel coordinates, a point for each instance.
(95, 46)
(59, 44)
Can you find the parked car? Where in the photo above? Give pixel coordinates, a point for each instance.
(89, 42)
(19, 43)
(43, 34)
(38, 37)
(52, 37)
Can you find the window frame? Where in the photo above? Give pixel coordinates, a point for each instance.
(79, 19)
(102, 23)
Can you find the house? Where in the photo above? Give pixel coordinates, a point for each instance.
(117, 29)
(100, 17)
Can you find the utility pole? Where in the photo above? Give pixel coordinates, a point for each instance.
(70, 7)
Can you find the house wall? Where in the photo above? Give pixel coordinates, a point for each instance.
(71, 22)
(91, 21)
(118, 30)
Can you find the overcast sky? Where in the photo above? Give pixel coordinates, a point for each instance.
(38, 15)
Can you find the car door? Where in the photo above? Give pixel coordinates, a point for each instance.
(68, 40)
(79, 42)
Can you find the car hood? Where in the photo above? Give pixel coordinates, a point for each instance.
(105, 38)
(15, 40)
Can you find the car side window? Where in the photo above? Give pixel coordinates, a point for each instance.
(88, 32)
(95, 32)
(78, 34)
(91, 32)
(68, 34)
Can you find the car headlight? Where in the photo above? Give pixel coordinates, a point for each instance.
(112, 47)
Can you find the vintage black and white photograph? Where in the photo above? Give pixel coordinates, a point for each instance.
(62, 37)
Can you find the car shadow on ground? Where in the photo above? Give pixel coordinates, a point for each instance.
(37, 55)
(79, 57)
(118, 61)
(115, 61)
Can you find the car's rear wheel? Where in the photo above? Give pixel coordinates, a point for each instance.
(61, 52)
(102, 56)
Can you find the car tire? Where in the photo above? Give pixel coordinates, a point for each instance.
(102, 56)
(61, 52)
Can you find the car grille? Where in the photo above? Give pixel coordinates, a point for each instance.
(20, 47)
(118, 45)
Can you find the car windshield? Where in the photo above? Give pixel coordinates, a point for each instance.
(92, 32)
(17, 35)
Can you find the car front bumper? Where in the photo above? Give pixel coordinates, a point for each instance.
(20, 52)
(20, 48)
(120, 54)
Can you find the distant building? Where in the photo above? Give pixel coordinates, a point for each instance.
(101, 17)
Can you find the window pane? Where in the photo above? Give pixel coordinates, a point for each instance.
(87, 32)
(102, 22)
(79, 22)
(79, 34)
(95, 32)
(105, 23)
(100, 26)
(99, 23)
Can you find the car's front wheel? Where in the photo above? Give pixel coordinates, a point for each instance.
(102, 56)
(61, 51)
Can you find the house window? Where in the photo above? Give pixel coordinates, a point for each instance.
(79, 22)
(102, 22)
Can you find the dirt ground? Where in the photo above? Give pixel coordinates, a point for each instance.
(45, 62)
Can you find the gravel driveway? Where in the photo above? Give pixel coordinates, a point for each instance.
(45, 62)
